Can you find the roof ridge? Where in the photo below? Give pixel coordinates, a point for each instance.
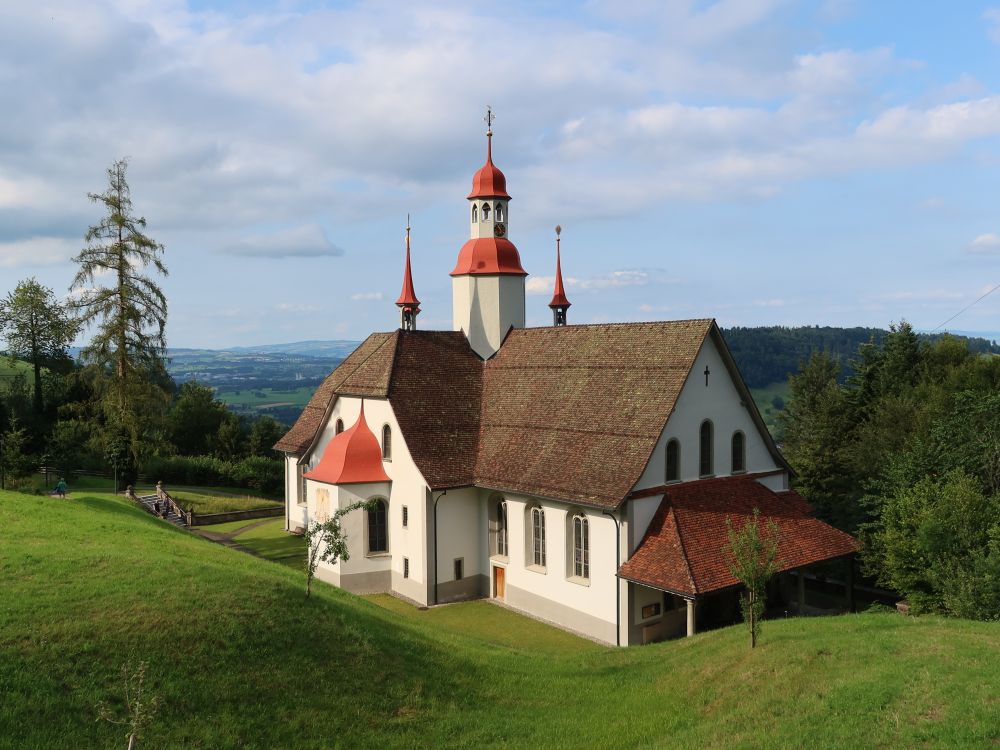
(680, 541)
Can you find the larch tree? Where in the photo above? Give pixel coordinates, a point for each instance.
(37, 327)
(130, 313)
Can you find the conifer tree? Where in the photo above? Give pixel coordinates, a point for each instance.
(129, 310)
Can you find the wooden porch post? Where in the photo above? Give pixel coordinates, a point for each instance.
(691, 628)
(849, 586)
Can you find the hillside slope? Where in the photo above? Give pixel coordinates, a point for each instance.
(239, 658)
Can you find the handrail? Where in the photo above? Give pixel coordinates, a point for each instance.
(185, 515)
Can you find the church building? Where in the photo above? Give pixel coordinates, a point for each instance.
(582, 474)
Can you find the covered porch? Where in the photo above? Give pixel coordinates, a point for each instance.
(679, 576)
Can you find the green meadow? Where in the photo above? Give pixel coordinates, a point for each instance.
(239, 658)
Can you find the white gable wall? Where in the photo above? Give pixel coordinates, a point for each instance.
(719, 402)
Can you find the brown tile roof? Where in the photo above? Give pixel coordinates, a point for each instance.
(570, 412)
(574, 412)
(365, 372)
(685, 549)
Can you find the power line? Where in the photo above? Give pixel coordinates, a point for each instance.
(966, 308)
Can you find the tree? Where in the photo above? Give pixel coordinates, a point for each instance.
(130, 312)
(15, 463)
(818, 424)
(754, 561)
(37, 327)
(230, 439)
(326, 541)
(195, 419)
(265, 432)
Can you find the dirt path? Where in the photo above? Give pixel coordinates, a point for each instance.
(227, 539)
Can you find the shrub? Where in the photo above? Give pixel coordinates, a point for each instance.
(938, 544)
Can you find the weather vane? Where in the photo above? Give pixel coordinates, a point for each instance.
(490, 117)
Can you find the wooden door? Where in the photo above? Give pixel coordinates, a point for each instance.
(498, 583)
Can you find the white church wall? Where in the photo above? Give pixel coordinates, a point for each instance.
(553, 593)
(461, 520)
(296, 508)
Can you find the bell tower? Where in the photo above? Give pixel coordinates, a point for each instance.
(487, 284)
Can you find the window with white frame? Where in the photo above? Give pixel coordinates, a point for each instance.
(378, 528)
(537, 537)
(302, 484)
(386, 443)
(581, 546)
(501, 510)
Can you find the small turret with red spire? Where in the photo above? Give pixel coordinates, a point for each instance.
(408, 304)
(560, 303)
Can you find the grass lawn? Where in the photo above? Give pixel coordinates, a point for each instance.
(239, 658)
(266, 538)
(203, 499)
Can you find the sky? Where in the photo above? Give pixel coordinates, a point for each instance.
(762, 162)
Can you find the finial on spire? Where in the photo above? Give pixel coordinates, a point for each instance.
(408, 304)
(560, 303)
(490, 117)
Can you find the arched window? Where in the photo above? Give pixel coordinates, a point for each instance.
(501, 511)
(386, 443)
(705, 450)
(486, 212)
(673, 460)
(338, 427)
(499, 213)
(378, 531)
(536, 545)
(581, 546)
(739, 452)
(475, 212)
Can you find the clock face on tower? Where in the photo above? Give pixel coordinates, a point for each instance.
(499, 229)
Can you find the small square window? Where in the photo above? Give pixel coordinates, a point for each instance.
(406, 516)
(406, 567)
(459, 566)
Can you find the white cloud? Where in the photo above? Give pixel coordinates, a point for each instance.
(308, 241)
(359, 296)
(37, 251)
(296, 307)
(614, 279)
(985, 244)
(992, 18)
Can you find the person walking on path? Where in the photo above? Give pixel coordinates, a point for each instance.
(61, 488)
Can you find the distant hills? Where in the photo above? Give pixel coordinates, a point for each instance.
(337, 348)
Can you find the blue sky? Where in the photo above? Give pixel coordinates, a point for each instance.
(758, 161)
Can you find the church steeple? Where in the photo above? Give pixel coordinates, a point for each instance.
(560, 303)
(408, 304)
(488, 280)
